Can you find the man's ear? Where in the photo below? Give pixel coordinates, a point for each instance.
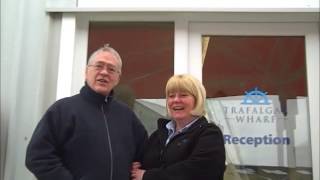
(86, 73)
(118, 80)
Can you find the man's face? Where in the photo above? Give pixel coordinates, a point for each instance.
(103, 73)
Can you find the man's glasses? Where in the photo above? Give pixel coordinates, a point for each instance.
(99, 67)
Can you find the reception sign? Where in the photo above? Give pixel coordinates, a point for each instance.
(256, 132)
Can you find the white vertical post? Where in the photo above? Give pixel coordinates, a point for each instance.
(66, 55)
(181, 46)
(195, 53)
(80, 54)
(312, 56)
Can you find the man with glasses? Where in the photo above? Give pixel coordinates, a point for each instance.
(89, 136)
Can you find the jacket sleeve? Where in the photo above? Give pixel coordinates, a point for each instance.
(206, 162)
(140, 136)
(43, 156)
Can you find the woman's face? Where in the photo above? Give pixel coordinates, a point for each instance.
(180, 105)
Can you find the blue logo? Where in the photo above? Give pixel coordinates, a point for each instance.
(255, 97)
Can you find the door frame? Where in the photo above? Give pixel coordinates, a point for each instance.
(187, 45)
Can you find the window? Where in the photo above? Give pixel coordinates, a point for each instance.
(257, 93)
(146, 49)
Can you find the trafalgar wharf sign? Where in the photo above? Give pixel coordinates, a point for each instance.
(254, 125)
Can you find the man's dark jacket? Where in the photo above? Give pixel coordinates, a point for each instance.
(86, 137)
(196, 154)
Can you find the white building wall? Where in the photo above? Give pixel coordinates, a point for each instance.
(28, 78)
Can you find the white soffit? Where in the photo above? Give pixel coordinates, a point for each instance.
(185, 5)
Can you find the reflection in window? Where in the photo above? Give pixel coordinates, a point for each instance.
(257, 93)
(146, 49)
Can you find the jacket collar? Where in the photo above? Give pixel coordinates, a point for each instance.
(163, 131)
(91, 95)
(201, 121)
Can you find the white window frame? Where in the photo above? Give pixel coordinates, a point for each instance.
(187, 46)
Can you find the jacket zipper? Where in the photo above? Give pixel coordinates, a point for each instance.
(109, 141)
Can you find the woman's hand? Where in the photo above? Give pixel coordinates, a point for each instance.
(136, 172)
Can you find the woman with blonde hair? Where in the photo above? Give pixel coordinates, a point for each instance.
(185, 146)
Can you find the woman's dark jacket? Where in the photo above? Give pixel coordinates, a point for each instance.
(85, 137)
(196, 154)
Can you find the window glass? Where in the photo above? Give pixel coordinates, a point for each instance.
(257, 93)
(146, 49)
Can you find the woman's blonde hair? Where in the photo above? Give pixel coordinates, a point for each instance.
(188, 83)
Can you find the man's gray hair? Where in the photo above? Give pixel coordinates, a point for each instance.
(106, 48)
